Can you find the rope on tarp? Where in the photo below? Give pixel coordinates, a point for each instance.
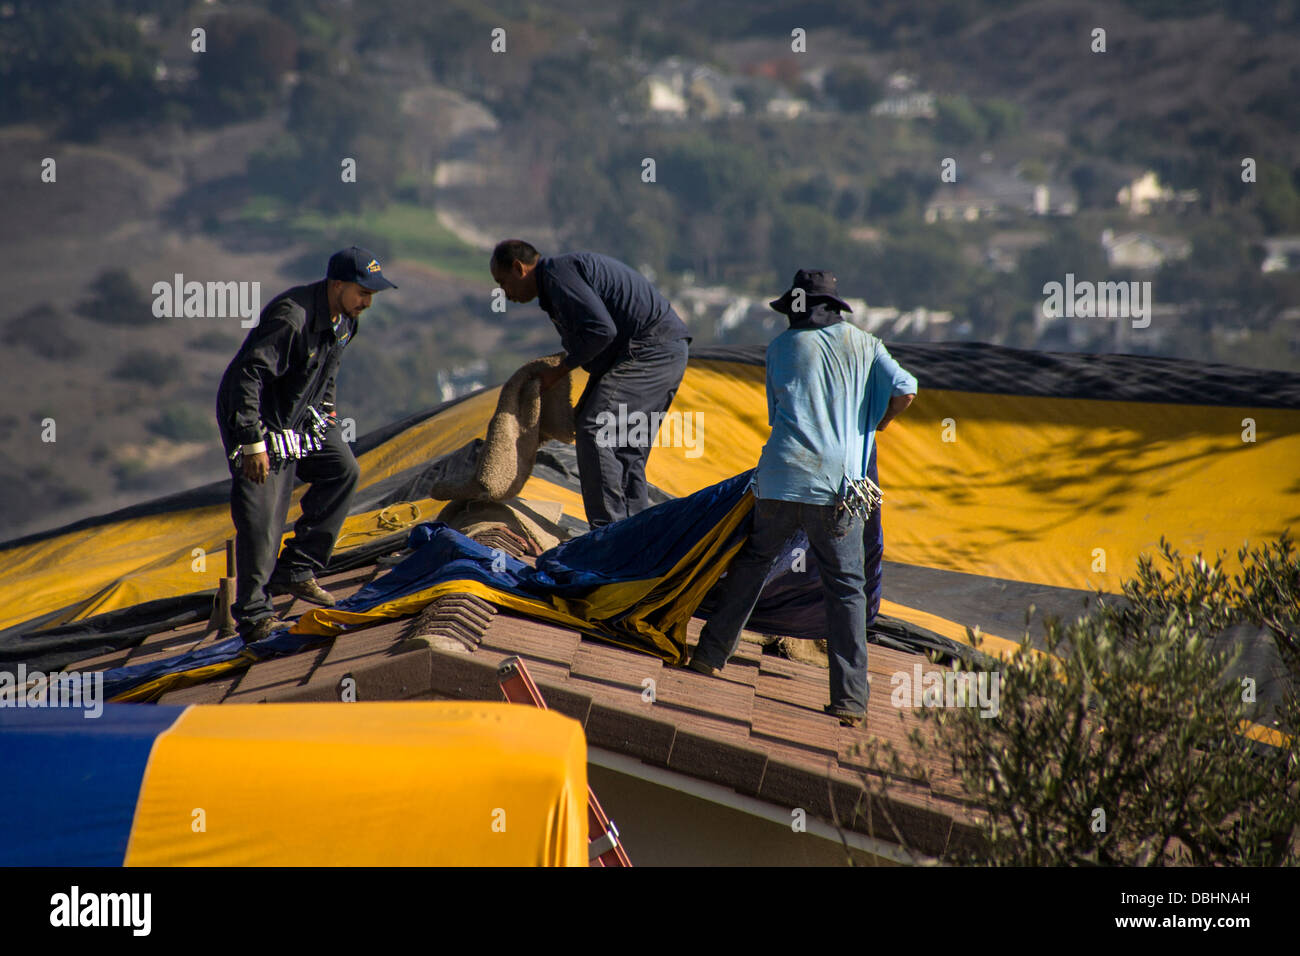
(386, 522)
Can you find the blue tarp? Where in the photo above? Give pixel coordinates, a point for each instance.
(644, 547)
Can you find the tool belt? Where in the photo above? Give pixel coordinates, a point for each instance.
(291, 444)
(860, 497)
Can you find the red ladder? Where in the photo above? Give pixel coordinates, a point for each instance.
(604, 848)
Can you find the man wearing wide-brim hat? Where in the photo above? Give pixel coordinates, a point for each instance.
(830, 387)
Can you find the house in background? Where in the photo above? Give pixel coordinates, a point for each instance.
(990, 195)
(678, 89)
(1003, 250)
(903, 100)
(1142, 251)
(913, 325)
(1145, 193)
(1281, 254)
(915, 105)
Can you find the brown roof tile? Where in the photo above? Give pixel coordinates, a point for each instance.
(748, 651)
(293, 670)
(467, 676)
(378, 675)
(167, 643)
(780, 667)
(211, 692)
(810, 691)
(533, 640)
(355, 644)
(720, 726)
(695, 692)
(612, 665)
(544, 670)
(101, 662)
(741, 670)
(630, 732)
(786, 723)
(898, 817)
(758, 728)
(796, 785)
(565, 698)
(725, 762)
(599, 691)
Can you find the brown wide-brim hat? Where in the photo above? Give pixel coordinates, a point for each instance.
(819, 286)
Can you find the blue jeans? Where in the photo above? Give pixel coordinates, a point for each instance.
(836, 543)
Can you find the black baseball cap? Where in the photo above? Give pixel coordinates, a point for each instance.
(358, 265)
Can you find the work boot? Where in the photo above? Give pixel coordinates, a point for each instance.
(848, 718)
(308, 590)
(703, 667)
(264, 628)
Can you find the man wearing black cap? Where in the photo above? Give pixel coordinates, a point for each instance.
(830, 387)
(275, 410)
(614, 324)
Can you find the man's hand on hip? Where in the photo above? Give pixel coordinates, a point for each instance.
(257, 467)
(897, 405)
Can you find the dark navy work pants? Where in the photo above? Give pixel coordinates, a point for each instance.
(259, 513)
(612, 472)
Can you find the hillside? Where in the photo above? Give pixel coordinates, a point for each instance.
(224, 165)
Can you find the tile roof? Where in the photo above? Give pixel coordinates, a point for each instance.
(758, 728)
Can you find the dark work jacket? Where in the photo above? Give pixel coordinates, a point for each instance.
(600, 307)
(287, 362)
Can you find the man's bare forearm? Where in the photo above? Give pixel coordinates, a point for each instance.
(897, 405)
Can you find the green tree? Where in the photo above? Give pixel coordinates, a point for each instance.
(303, 164)
(1070, 249)
(184, 423)
(806, 238)
(248, 54)
(1001, 118)
(958, 122)
(919, 268)
(1127, 742)
(1279, 201)
(77, 63)
(852, 88)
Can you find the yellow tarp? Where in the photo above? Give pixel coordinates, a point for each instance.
(1059, 491)
(364, 784)
(1055, 491)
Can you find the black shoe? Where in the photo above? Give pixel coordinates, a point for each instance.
(848, 718)
(264, 628)
(308, 590)
(703, 667)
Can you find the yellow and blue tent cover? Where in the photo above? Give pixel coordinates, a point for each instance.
(380, 784)
(1016, 479)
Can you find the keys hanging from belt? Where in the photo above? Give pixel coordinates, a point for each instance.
(292, 445)
(283, 446)
(318, 424)
(289, 444)
(860, 497)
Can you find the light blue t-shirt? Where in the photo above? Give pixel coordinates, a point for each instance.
(827, 390)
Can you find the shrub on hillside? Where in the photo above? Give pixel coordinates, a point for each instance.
(45, 331)
(146, 365)
(116, 299)
(1126, 743)
(184, 423)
